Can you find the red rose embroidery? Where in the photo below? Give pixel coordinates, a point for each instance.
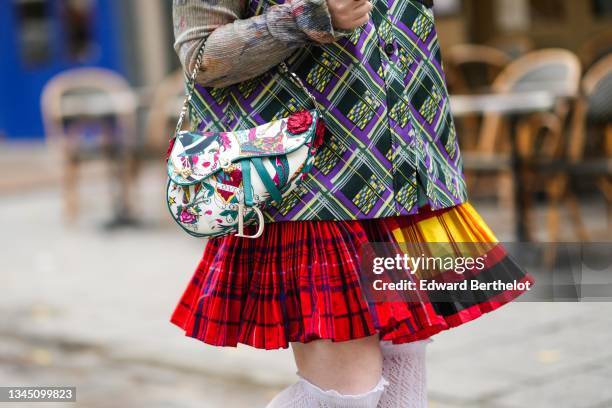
(170, 146)
(187, 217)
(319, 133)
(299, 122)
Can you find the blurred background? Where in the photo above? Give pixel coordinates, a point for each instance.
(91, 268)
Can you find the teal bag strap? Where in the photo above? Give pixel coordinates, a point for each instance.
(246, 182)
(267, 180)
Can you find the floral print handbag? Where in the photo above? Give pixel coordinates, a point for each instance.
(218, 182)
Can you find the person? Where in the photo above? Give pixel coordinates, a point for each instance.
(389, 171)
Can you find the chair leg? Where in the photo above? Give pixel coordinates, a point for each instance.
(525, 148)
(607, 181)
(555, 189)
(505, 191)
(579, 228)
(127, 179)
(525, 201)
(121, 167)
(70, 186)
(605, 185)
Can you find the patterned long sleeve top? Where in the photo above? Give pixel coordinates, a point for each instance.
(236, 48)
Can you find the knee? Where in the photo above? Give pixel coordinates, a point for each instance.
(351, 367)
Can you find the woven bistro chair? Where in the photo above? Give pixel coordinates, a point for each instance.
(471, 69)
(165, 105)
(596, 48)
(540, 135)
(87, 113)
(590, 145)
(161, 122)
(514, 45)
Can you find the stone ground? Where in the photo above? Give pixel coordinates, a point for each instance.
(86, 307)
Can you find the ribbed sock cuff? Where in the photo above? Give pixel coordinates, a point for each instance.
(336, 400)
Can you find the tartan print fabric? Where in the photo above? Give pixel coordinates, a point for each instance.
(390, 143)
(300, 282)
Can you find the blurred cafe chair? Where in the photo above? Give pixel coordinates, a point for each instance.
(514, 45)
(88, 113)
(162, 118)
(161, 122)
(471, 69)
(555, 71)
(596, 48)
(590, 144)
(541, 135)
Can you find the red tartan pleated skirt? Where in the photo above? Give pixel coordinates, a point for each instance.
(300, 281)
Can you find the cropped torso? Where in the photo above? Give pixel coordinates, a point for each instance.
(390, 145)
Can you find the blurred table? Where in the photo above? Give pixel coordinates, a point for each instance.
(504, 104)
(513, 106)
(100, 105)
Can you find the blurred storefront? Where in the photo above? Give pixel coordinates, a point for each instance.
(40, 38)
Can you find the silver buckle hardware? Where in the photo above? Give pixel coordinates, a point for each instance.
(242, 209)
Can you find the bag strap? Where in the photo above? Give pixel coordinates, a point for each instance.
(282, 67)
(190, 89)
(267, 180)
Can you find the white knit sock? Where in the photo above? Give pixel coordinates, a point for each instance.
(304, 394)
(404, 368)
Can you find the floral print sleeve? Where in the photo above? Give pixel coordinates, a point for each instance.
(237, 49)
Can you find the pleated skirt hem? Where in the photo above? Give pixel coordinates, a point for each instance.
(301, 282)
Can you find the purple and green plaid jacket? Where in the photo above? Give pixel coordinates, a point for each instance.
(391, 145)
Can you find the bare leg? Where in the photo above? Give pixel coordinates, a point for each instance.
(335, 375)
(349, 367)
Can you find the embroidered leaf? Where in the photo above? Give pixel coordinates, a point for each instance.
(229, 213)
(210, 190)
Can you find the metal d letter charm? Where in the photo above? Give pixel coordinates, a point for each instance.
(260, 218)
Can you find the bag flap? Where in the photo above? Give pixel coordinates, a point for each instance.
(198, 155)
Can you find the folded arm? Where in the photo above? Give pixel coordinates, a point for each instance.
(237, 49)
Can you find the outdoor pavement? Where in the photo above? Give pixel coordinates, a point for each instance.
(87, 307)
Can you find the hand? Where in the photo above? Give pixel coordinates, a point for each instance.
(349, 14)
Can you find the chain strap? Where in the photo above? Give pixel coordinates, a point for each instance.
(283, 68)
(190, 89)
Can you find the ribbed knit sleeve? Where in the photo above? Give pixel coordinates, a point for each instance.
(236, 48)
